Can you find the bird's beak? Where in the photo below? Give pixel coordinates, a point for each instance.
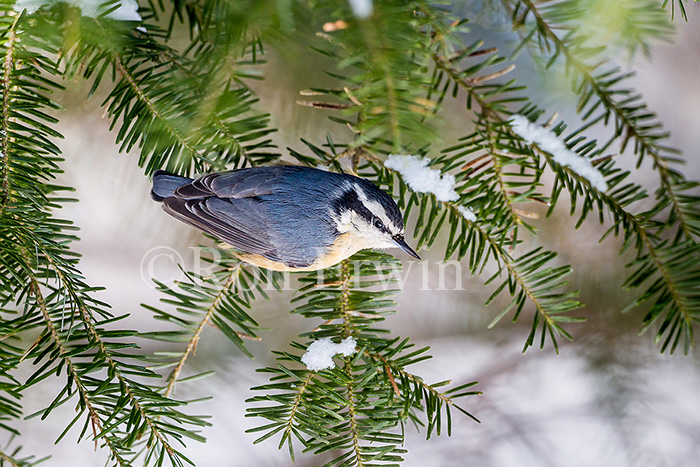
(398, 239)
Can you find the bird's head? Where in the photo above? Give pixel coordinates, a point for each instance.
(370, 216)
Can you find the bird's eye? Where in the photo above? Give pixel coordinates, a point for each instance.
(378, 224)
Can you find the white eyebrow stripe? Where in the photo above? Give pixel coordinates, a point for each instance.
(360, 193)
(376, 209)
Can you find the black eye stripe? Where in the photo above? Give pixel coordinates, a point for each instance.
(350, 200)
(371, 219)
(364, 213)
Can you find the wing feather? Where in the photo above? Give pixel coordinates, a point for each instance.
(217, 222)
(231, 206)
(246, 183)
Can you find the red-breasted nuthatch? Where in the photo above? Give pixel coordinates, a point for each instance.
(286, 218)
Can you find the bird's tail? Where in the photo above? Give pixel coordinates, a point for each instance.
(165, 183)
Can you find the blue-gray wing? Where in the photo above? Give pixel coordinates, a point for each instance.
(244, 183)
(234, 207)
(236, 223)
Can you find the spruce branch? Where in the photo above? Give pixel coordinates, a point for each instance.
(384, 77)
(352, 416)
(106, 415)
(218, 299)
(678, 302)
(445, 396)
(12, 459)
(39, 269)
(128, 76)
(347, 332)
(191, 110)
(215, 128)
(352, 409)
(345, 298)
(192, 344)
(213, 77)
(681, 8)
(10, 358)
(292, 419)
(617, 202)
(378, 56)
(495, 180)
(126, 385)
(498, 170)
(675, 289)
(489, 237)
(85, 400)
(526, 273)
(428, 221)
(5, 123)
(631, 117)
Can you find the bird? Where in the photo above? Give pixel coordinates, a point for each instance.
(285, 217)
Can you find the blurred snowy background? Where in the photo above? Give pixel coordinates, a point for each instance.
(608, 398)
